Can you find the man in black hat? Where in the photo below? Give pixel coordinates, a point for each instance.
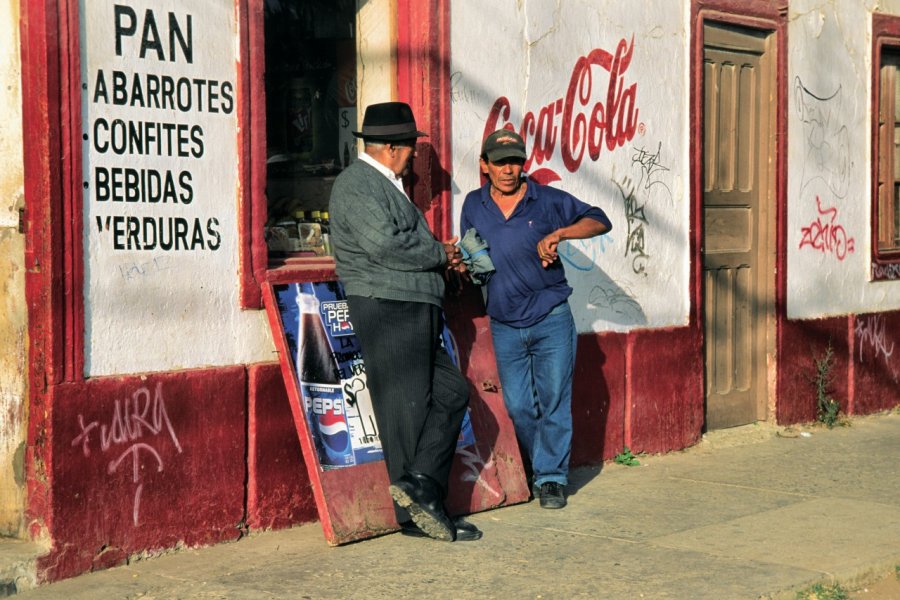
(393, 268)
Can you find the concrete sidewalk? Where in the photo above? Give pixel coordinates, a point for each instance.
(747, 513)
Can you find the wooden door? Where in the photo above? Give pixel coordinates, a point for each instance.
(738, 99)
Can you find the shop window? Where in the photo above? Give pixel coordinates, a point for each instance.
(310, 87)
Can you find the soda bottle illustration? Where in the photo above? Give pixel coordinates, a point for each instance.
(314, 358)
(319, 386)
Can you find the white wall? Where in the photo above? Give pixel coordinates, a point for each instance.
(13, 310)
(156, 309)
(829, 193)
(149, 307)
(637, 276)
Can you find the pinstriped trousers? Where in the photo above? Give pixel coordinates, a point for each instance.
(418, 395)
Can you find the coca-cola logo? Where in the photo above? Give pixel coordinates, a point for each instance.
(579, 123)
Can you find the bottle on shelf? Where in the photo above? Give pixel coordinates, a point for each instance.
(311, 233)
(326, 233)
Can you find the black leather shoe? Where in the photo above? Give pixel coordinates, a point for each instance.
(420, 496)
(553, 495)
(465, 531)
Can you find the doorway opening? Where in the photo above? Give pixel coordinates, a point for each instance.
(738, 220)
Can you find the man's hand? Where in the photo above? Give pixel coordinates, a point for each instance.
(456, 272)
(581, 229)
(454, 255)
(546, 249)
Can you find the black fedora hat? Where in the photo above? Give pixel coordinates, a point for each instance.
(389, 122)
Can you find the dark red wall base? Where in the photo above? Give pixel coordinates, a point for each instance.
(643, 390)
(598, 399)
(144, 463)
(278, 489)
(802, 343)
(666, 370)
(865, 376)
(149, 462)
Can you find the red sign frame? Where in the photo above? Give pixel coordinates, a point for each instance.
(353, 502)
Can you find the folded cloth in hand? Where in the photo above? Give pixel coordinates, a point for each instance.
(476, 257)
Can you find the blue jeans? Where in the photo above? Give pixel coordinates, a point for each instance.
(535, 365)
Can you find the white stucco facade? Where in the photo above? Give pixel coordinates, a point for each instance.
(637, 276)
(149, 308)
(829, 240)
(528, 52)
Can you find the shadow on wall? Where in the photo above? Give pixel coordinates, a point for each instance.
(591, 403)
(607, 299)
(436, 183)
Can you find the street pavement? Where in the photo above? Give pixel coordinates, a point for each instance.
(752, 512)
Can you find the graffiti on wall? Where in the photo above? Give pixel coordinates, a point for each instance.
(583, 255)
(887, 271)
(649, 183)
(130, 436)
(474, 464)
(826, 138)
(635, 243)
(613, 298)
(828, 237)
(826, 169)
(871, 336)
(459, 92)
(651, 169)
(137, 270)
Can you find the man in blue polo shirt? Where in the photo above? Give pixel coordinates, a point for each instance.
(527, 301)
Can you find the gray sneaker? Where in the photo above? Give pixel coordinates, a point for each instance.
(553, 495)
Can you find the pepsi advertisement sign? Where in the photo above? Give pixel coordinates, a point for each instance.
(331, 374)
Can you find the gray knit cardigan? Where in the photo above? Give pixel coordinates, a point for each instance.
(382, 245)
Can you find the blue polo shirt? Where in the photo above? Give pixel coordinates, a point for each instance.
(522, 292)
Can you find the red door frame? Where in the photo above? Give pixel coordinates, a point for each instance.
(54, 261)
(423, 81)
